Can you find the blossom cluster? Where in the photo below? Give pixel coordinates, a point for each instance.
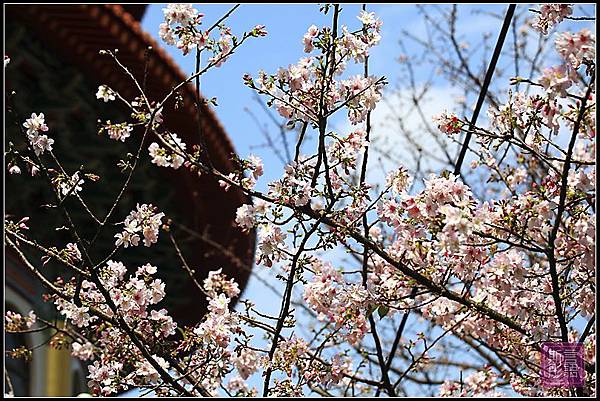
(216, 283)
(550, 15)
(246, 363)
(70, 185)
(171, 157)
(576, 48)
(13, 168)
(271, 245)
(222, 47)
(289, 354)
(144, 220)
(336, 301)
(478, 384)
(358, 46)
(303, 91)
(294, 187)
(132, 296)
(35, 126)
(83, 352)
(526, 113)
(179, 27)
(361, 95)
(214, 335)
(253, 165)
(345, 151)
(117, 131)
(448, 123)
(436, 234)
(556, 80)
(105, 93)
(16, 322)
(71, 253)
(398, 181)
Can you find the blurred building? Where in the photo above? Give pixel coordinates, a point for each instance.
(55, 68)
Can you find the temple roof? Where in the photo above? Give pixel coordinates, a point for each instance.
(72, 31)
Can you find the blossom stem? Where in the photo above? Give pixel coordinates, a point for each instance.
(488, 78)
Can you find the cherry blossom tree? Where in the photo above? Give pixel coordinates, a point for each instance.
(498, 273)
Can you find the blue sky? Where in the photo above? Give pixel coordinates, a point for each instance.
(286, 25)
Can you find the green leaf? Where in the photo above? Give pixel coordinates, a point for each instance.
(371, 309)
(382, 311)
